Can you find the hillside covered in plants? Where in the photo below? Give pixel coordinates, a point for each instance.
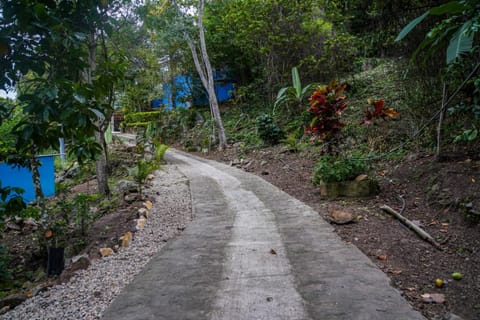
(324, 93)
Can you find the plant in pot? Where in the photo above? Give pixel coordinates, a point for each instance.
(337, 176)
(55, 238)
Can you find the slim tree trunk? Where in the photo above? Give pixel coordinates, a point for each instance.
(205, 72)
(440, 121)
(101, 164)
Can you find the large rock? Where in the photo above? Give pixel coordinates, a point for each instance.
(341, 217)
(80, 262)
(13, 300)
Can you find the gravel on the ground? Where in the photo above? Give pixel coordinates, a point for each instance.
(90, 292)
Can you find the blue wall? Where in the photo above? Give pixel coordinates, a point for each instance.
(22, 178)
(188, 90)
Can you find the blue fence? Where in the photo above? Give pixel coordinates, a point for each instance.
(22, 178)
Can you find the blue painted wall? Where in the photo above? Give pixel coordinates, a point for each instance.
(22, 178)
(188, 90)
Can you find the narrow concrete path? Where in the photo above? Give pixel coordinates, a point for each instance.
(254, 252)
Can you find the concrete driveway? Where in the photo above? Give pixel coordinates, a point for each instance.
(254, 252)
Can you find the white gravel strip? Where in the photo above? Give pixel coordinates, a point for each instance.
(91, 291)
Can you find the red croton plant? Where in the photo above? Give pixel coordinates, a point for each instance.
(327, 104)
(379, 111)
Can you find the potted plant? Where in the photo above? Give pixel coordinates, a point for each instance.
(339, 177)
(55, 237)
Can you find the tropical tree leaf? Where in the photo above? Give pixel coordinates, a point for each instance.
(452, 7)
(461, 42)
(296, 82)
(410, 26)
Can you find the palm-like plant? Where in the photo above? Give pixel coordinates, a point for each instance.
(294, 95)
(459, 29)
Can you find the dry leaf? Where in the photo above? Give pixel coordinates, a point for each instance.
(382, 257)
(273, 251)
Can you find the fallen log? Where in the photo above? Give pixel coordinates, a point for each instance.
(419, 231)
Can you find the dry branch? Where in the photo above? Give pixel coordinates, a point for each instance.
(419, 231)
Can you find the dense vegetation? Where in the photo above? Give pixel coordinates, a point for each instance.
(356, 81)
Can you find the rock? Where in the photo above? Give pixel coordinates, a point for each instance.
(263, 163)
(341, 217)
(80, 262)
(5, 309)
(126, 239)
(126, 186)
(433, 298)
(29, 225)
(141, 223)
(105, 252)
(361, 177)
(12, 226)
(451, 316)
(13, 300)
(130, 198)
(43, 287)
(142, 212)
(148, 204)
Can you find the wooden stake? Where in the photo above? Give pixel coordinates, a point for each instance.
(419, 231)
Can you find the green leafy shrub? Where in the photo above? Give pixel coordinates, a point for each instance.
(335, 169)
(5, 273)
(141, 171)
(160, 150)
(268, 130)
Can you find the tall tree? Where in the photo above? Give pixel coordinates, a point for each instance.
(205, 72)
(45, 47)
(182, 22)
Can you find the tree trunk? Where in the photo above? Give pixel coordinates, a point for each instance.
(101, 164)
(34, 164)
(206, 75)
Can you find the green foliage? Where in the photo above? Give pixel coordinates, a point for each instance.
(293, 96)
(292, 142)
(144, 117)
(160, 150)
(81, 207)
(13, 206)
(458, 28)
(334, 169)
(140, 172)
(268, 130)
(5, 272)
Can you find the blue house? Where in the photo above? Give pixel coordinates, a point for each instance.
(188, 91)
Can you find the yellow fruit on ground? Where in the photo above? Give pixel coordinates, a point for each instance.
(439, 282)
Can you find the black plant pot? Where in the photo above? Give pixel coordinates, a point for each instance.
(56, 261)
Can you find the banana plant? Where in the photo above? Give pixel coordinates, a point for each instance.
(459, 29)
(293, 95)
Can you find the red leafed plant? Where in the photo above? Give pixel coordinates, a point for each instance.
(327, 104)
(379, 111)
